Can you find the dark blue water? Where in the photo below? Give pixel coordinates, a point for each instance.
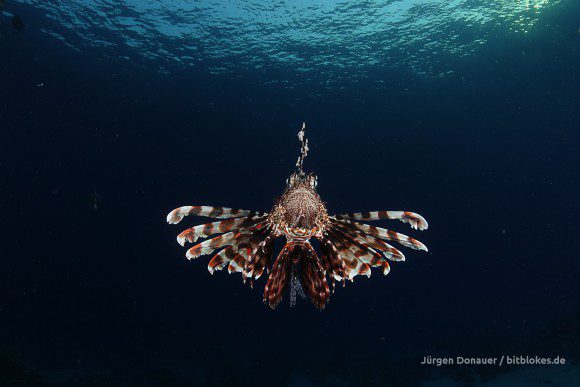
(473, 124)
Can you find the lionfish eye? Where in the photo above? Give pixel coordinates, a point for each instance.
(313, 181)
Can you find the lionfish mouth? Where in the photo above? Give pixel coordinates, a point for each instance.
(244, 241)
(300, 233)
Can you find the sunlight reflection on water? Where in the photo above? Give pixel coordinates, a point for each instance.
(331, 39)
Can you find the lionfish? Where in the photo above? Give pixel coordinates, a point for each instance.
(346, 247)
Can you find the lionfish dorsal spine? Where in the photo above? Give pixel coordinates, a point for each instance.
(303, 148)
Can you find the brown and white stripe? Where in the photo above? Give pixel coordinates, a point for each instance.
(366, 253)
(385, 234)
(278, 278)
(332, 261)
(177, 214)
(237, 263)
(205, 230)
(254, 266)
(378, 244)
(312, 277)
(208, 246)
(363, 252)
(415, 220)
(221, 259)
(386, 267)
(354, 265)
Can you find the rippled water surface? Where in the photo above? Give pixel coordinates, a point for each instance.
(333, 39)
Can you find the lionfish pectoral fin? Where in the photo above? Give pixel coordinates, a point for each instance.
(379, 232)
(415, 220)
(354, 265)
(177, 214)
(254, 266)
(331, 261)
(208, 246)
(208, 229)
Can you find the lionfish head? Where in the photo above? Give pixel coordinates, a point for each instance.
(303, 208)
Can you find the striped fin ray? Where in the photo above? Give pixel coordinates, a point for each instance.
(373, 260)
(363, 252)
(236, 255)
(386, 267)
(312, 277)
(233, 256)
(331, 260)
(263, 262)
(254, 267)
(353, 264)
(238, 263)
(371, 257)
(239, 260)
(208, 246)
(177, 214)
(205, 230)
(384, 233)
(376, 243)
(281, 270)
(415, 220)
(221, 259)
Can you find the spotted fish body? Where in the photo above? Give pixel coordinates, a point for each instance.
(246, 241)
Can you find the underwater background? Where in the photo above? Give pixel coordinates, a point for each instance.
(112, 113)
